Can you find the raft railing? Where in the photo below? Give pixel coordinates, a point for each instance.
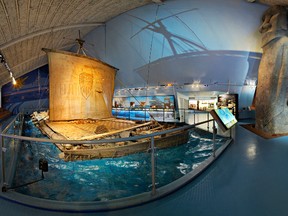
(11, 149)
(10, 136)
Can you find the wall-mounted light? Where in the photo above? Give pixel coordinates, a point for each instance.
(14, 81)
(196, 84)
(251, 82)
(3, 61)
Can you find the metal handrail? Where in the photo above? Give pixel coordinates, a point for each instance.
(11, 123)
(75, 142)
(19, 117)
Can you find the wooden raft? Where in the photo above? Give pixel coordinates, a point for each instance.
(107, 129)
(126, 148)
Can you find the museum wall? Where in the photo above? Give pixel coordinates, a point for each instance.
(29, 95)
(213, 43)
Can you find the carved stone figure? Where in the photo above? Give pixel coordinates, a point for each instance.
(271, 2)
(272, 89)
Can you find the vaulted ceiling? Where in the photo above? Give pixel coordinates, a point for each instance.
(28, 25)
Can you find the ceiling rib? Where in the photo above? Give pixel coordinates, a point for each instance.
(38, 56)
(49, 30)
(7, 16)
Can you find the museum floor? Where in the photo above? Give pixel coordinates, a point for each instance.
(250, 178)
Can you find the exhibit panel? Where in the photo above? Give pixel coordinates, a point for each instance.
(202, 104)
(229, 101)
(224, 118)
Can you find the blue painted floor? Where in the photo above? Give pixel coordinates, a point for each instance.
(249, 179)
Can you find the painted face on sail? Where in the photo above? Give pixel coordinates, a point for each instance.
(86, 84)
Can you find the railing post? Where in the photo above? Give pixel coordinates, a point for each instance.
(14, 132)
(194, 116)
(3, 163)
(184, 111)
(214, 137)
(153, 166)
(14, 126)
(208, 120)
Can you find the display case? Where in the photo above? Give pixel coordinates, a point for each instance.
(159, 108)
